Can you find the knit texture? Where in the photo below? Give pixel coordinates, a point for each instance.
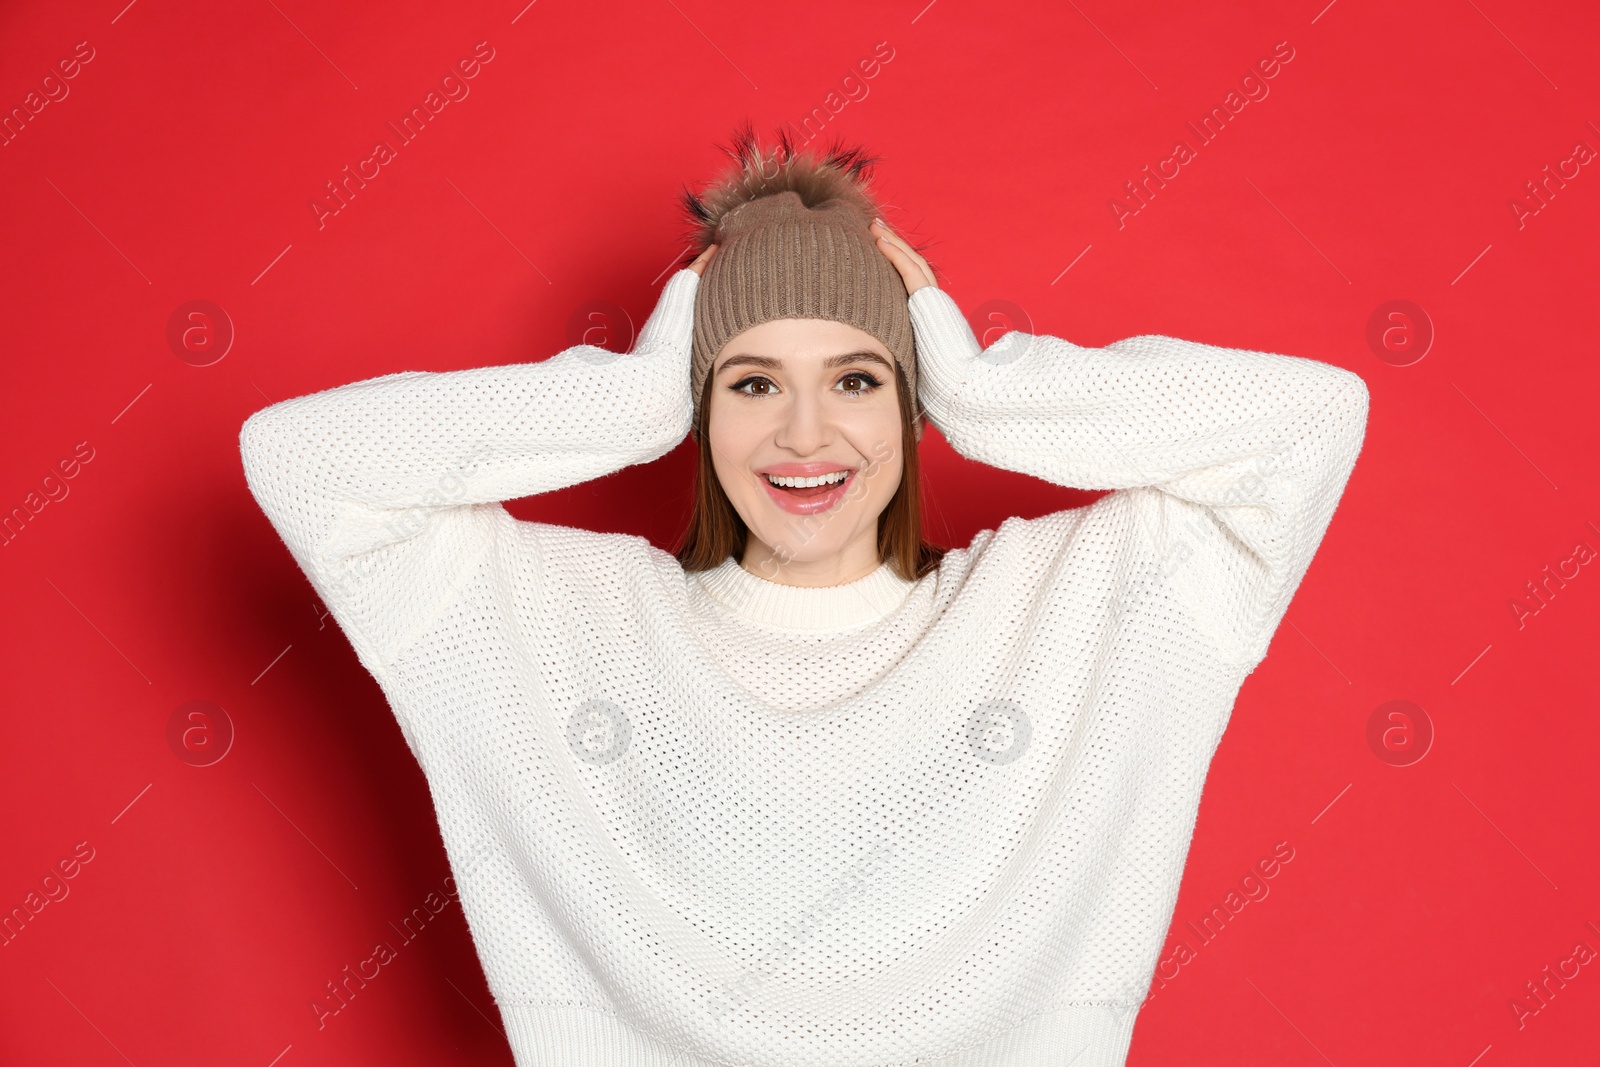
(702, 820)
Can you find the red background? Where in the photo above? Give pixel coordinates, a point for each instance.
(1382, 165)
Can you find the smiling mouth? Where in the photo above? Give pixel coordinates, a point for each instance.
(808, 496)
(808, 487)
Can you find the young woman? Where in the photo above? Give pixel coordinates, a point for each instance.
(810, 790)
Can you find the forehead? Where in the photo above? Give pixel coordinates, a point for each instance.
(801, 342)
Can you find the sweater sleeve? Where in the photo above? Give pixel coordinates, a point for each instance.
(1231, 461)
(387, 491)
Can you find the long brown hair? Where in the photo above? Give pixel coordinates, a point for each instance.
(716, 531)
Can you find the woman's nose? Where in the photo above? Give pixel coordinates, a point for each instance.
(804, 423)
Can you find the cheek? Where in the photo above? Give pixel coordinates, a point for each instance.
(875, 424)
(725, 436)
(886, 481)
(878, 480)
(730, 459)
(727, 473)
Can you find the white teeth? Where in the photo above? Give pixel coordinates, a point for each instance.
(805, 483)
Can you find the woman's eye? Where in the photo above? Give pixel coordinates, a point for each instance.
(738, 386)
(859, 377)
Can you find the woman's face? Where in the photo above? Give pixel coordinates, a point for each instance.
(806, 398)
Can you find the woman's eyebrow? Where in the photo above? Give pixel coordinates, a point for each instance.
(745, 359)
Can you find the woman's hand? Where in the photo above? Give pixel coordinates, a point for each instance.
(699, 265)
(914, 270)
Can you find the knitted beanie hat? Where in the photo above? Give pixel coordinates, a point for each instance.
(794, 243)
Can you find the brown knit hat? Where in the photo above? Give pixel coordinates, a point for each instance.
(794, 243)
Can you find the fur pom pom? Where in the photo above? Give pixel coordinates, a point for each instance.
(841, 173)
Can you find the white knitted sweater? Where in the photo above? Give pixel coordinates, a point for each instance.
(708, 819)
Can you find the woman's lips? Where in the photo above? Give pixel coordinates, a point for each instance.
(796, 504)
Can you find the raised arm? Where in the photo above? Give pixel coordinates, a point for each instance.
(1232, 460)
(387, 491)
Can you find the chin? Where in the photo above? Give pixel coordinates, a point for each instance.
(800, 540)
(806, 538)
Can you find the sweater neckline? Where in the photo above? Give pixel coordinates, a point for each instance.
(823, 608)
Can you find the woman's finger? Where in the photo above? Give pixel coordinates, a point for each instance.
(909, 259)
(904, 245)
(699, 264)
(914, 270)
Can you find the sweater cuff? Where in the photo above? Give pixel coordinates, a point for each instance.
(946, 346)
(672, 321)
